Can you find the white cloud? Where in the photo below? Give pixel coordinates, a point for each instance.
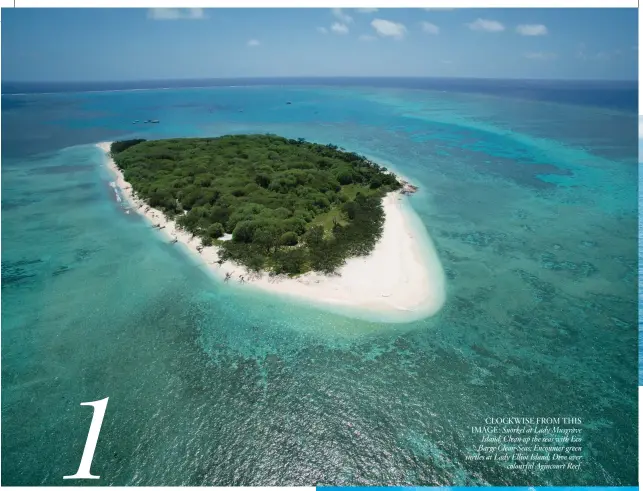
(366, 11)
(601, 55)
(175, 14)
(253, 42)
(342, 16)
(541, 55)
(387, 28)
(605, 55)
(430, 28)
(366, 38)
(339, 28)
(486, 25)
(531, 29)
(323, 30)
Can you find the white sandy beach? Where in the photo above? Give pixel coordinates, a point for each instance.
(402, 275)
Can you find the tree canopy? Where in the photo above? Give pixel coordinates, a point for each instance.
(290, 205)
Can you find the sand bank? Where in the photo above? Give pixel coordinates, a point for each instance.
(401, 280)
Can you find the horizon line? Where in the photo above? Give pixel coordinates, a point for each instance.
(286, 77)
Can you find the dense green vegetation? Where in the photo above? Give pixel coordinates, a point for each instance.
(290, 205)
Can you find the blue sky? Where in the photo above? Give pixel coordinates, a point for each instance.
(49, 45)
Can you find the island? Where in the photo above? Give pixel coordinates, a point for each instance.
(286, 215)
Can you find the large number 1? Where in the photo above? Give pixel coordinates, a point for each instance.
(84, 469)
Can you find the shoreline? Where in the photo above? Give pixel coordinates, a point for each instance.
(401, 280)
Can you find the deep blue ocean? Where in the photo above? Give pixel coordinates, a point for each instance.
(528, 190)
(615, 94)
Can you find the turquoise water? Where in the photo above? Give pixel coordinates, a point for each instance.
(640, 159)
(531, 206)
